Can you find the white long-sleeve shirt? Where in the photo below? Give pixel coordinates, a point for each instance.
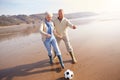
(61, 26)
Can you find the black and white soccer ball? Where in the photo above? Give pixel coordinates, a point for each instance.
(68, 74)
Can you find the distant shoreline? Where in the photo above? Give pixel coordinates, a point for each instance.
(6, 20)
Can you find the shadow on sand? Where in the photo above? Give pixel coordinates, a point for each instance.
(61, 78)
(29, 69)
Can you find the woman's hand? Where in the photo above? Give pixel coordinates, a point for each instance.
(48, 35)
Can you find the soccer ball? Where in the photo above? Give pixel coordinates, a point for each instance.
(68, 74)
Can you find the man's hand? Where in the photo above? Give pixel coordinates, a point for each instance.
(48, 35)
(60, 36)
(74, 27)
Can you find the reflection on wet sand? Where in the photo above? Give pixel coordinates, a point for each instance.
(9, 32)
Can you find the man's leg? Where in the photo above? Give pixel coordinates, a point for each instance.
(48, 47)
(69, 48)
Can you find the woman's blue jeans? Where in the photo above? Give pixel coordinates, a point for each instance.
(52, 42)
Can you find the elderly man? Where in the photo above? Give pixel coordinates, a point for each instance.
(47, 31)
(61, 24)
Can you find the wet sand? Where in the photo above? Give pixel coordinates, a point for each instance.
(96, 46)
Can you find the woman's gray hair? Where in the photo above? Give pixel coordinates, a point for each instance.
(48, 14)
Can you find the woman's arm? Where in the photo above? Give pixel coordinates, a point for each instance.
(42, 30)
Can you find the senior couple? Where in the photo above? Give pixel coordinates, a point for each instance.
(52, 34)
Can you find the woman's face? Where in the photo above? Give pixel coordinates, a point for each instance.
(49, 18)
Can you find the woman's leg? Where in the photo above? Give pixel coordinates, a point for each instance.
(58, 42)
(56, 47)
(58, 53)
(48, 47)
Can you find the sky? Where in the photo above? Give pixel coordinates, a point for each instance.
(15, 7)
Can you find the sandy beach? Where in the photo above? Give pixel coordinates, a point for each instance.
(96, 46)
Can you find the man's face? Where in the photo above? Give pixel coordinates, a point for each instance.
(60, 14)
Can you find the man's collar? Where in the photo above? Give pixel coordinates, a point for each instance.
(60, 19)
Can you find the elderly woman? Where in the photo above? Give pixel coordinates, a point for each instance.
(47, 31)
